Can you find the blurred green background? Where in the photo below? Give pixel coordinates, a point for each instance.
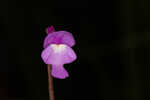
(112, 45)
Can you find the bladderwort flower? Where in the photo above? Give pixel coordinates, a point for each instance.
(57, 51)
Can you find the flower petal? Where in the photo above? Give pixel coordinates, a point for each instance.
(58, 71)
(59, 37)
(58, 54)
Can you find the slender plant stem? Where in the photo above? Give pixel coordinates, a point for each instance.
(50, 83)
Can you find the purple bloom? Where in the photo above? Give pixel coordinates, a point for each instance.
(58, 52)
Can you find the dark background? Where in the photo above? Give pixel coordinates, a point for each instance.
(112, 45)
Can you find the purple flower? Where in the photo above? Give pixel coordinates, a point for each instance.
(57, 51)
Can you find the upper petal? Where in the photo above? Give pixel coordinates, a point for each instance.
(59, 37)
(58, 54)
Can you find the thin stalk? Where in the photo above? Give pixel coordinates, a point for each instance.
(50, 83)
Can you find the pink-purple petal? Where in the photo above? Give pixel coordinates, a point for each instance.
(59, 37)
(58, 54)
(58, 71)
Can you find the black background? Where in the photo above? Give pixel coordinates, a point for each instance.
(112, 45)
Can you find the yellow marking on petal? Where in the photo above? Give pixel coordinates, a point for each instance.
(58, 47)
